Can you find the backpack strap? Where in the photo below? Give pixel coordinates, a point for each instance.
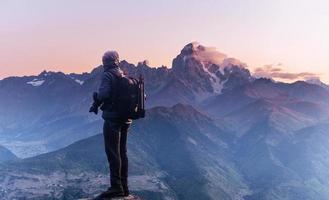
(114, 88)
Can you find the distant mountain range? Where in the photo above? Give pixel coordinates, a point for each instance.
(213, 131)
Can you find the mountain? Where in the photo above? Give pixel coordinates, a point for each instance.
(180, 153)
(50, 111)
(6, 155)
(38, 112)
(297, 96)
(29, 99)
(281, 165)
(200, 72)
(175, 153)
(213, 131)
(197, 73)
(317, 81)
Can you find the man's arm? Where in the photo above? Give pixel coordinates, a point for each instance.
(103, 93)
(104, 90)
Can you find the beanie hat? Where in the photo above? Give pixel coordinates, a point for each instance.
(110, 57)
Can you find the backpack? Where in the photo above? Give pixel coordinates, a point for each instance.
(129, 97)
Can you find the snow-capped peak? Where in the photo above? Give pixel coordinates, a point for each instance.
(36, 82)
(207, 69)
(210, 57)
(317, 81)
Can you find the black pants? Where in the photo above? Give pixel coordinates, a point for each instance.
(115, 138)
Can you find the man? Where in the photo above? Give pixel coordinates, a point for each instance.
(115, 129)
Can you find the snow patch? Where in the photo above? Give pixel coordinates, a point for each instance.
(36, 82)
(216, 83)
(79, 81)
(192, 141)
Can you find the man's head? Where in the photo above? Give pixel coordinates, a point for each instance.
(110, 58)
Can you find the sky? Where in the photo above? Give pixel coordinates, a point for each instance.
(273, 37)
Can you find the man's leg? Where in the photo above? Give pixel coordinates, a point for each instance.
(112, 135)
(111, 132)
(124, 157)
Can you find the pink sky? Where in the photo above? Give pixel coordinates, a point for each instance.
(71, 36)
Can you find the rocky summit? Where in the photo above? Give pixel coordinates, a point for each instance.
(130, 197)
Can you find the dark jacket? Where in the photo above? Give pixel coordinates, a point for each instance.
(106, 89)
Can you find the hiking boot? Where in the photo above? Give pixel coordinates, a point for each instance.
(125, 187)
(110, 193)
(126, 191)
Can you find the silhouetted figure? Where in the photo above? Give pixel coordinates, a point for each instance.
(115, 128)
(121, 98)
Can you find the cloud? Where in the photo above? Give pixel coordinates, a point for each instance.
(206, 54)
(275, 71)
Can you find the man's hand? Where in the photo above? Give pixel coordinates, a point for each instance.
(94, 109)
(96, 104)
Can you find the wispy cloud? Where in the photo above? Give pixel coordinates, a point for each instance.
(208, 54)
(275, 71)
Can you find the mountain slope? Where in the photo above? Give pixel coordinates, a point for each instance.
(188, 156)
(175, 153)
(6, 155)
(281, 166)
(299, 96)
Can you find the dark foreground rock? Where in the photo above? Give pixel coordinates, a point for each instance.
(130, 197)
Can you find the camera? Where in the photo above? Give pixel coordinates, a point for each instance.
(95, 105)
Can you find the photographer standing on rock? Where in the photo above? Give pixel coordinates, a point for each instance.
(121, 99)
